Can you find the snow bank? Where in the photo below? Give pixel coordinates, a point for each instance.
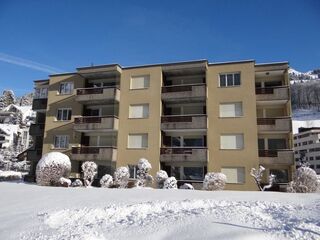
(10, 176)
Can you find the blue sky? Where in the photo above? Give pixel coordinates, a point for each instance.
(41, 37)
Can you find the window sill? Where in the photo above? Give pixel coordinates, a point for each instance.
(138, 118)
(229, 86)
(231, 149)
(144, 148)
(231, 117)
(132, 89)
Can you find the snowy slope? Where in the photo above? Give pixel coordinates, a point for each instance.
(297, 76)
(33, 212)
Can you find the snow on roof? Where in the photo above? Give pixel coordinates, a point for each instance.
(25, 110)
(9, 128)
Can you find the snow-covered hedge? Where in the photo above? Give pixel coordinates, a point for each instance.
(161, 176)
(89, 170)
(51, 167)
(186, 186)
(77, 183)
(143, 176)
(121, 177)
(170, 183)
(304, 181)
(10, 176)
(214, 181)
(106, 181)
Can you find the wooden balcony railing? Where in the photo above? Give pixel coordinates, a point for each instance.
(91, 119)
(180, 88)
(268, 90)
(87, 150)
(272, 152)
(185, 150)
(94, 90)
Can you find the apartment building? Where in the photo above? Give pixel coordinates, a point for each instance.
(307, 147)
(187, 118)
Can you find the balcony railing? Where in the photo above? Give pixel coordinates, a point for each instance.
(279, 156)
(39, 104)
(98, 94)
(177, 154)
(96, 123)
(274, 124)
(184, 91)
(197, 121)
(93, 153)
(272, 93)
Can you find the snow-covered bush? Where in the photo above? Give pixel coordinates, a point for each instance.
(304, 181)
(214, 181)
(257, 175)
(186, 186)
(121, 177)
(51, 167)
(143, 177)
(161, 176)
(170, 183)
(77, 183)
(65, 182)
(89, 170)
(106, 181)
(10, 176)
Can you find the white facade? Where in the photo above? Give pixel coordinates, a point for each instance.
(307, 143)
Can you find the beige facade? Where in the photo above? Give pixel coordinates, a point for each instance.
(187, 118)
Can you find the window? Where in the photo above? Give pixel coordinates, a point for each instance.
(66, 88)
(231, 109)
(234, 174)
(139, 111)
(311, 158)
(140, 82)
(261, 145)
(61, 141)
(138, 140)
(41, 93)
(64, 114)
(281, 175)
(195, 173)
(133, 171)
(231, 141)
(229, 79)
(317, 158)
(188, 141)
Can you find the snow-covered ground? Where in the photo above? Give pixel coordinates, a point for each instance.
(34, 212)
(305, 118)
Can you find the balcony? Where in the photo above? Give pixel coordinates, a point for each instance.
(280, 93)
(189, 154)
(274, 125)
(184, 122)
(101, 124)
(98, 95)
(94, 153)
(34, 154)
(36, 129)
(39, 104)
(279, 157)
(184, 92)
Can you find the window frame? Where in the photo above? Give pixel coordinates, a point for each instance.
(138, 134)
(226, 79)
(139, 104)
(62, 115)
(229, 103)
(232, 167)
(66, 141)
(232, 134)
(137, 76)
(64, 92)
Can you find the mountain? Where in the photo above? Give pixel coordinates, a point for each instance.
(296, 76)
